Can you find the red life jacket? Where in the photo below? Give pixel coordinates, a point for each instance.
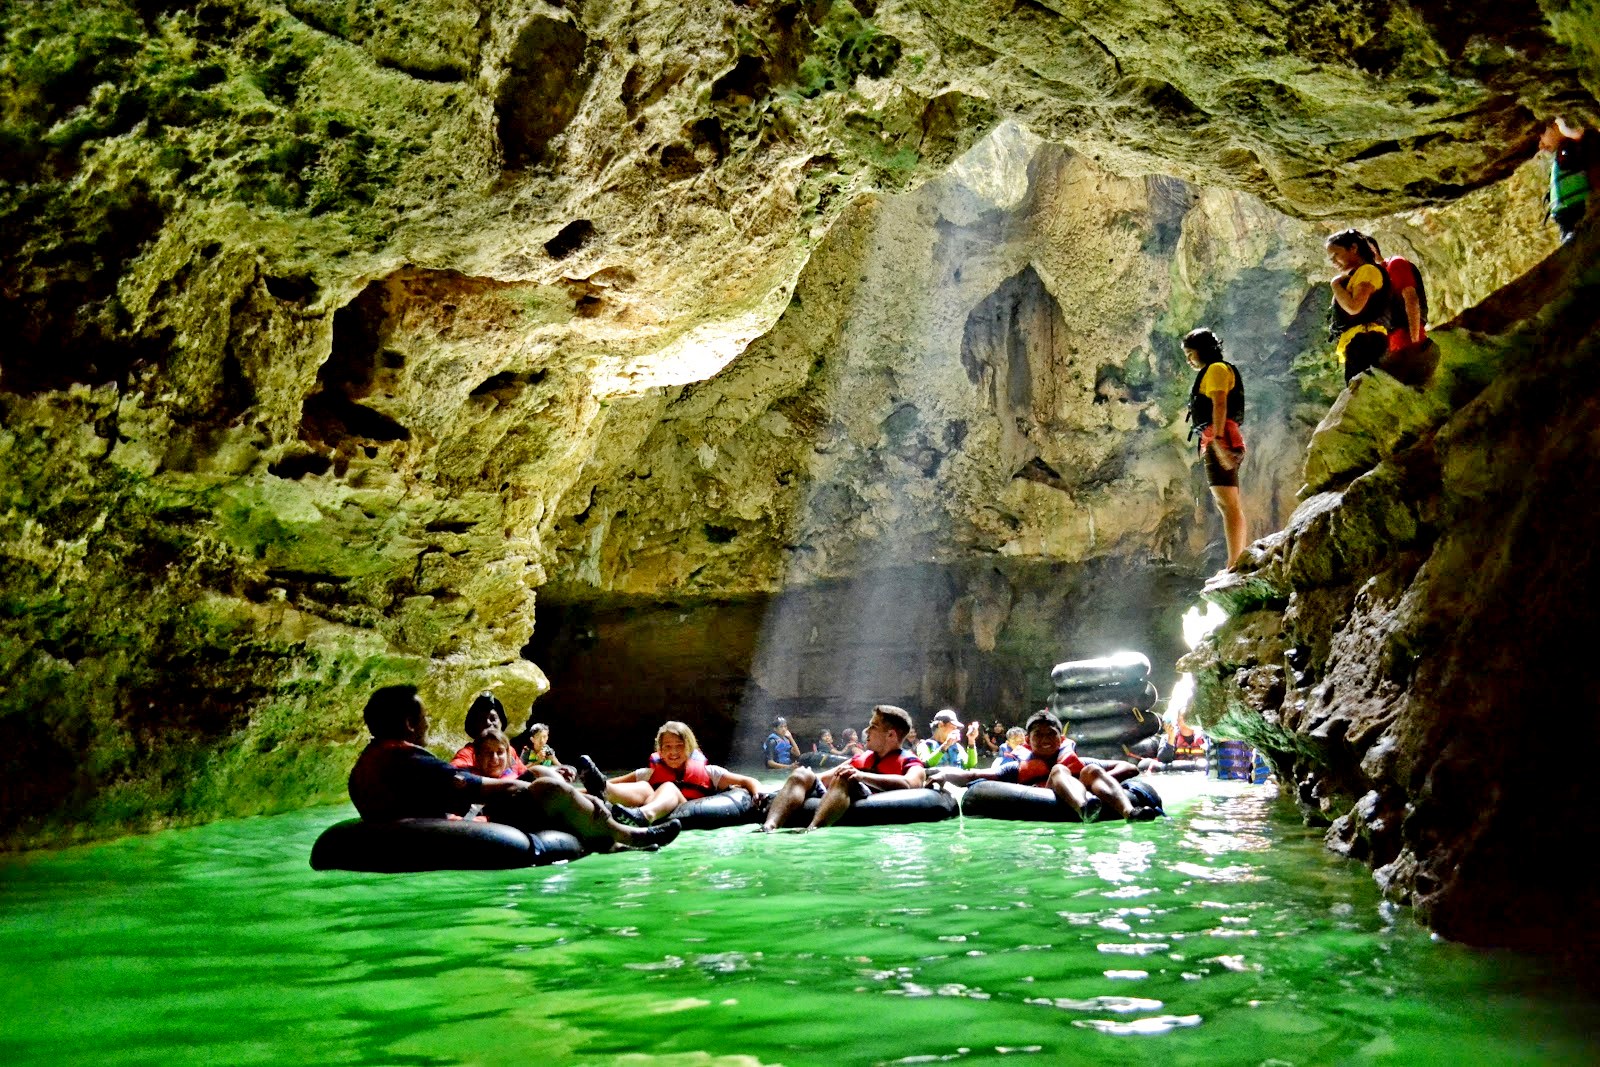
(1032, 770)
(694, 781)
(897, 762)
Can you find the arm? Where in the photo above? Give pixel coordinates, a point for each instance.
(1219, 414)
(640, 775)
(971, 761)
(729, 780)
(951, 776)
(1414, 321)
(915, 777)
(1351, 301)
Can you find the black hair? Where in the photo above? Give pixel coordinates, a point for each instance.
(1353, 239)
(478, 714)
(1043, 715)
(896, 718)
(1204, 344)
(390, 710)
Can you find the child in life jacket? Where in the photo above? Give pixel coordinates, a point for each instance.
(536, 751)
(885, 765)
(1091, 788)
(491, 758)
(678, 772)
(1016, 738)
(486, 713)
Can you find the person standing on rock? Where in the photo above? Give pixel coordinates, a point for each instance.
(1359, 316)
(1216, 408)
(1571, 183)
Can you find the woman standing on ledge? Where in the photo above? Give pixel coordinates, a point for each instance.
(1216, 408)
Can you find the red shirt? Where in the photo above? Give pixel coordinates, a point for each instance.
(1403, 276)
(465, 757)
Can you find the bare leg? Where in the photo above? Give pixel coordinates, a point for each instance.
(835, 802)
(558, 806)
(1115, 802)
(1233, 524)
(1068, 790)
(790, 797)
(533, 774)
(633, 794)
(665, 801)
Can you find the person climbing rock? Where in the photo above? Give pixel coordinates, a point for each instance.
(1571, 174)
(1359, 315)
(1216, 407)
(396, 778)
(1411, 356)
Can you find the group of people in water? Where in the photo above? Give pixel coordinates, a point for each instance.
(1377, 319)
(517, 780)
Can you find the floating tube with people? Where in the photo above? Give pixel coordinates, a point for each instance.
(1031, 803)
(1119, 668)
(410, 845)
(731, 807)
(896, 807)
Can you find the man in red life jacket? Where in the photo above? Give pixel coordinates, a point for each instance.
(396, 778)
(885, 765)
(1089, 788)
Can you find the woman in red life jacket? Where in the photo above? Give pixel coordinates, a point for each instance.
(1089, 787)
(678, 772)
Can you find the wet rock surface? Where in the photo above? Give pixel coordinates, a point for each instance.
(1427, 623)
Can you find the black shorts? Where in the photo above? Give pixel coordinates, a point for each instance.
(858, 791)
(1215, 474)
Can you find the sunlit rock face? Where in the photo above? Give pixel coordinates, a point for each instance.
(1410, 647)
(325, 320)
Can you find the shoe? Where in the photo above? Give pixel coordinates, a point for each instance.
(1145, 814)
(663, 834)
(588, 774)
(629, 816)
(1090, 812)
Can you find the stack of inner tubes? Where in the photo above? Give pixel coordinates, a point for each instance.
(1104, 704)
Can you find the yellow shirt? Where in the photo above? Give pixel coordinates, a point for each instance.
(1218, 378)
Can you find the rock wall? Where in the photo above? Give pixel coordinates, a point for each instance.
(1409, 648)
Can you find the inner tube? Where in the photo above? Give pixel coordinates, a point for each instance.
(822, 760)
(1031, 803)
(730, 807)
(1083, 703)
(1115, 669)
(1122, 730)
(408, 845)
(895, 807)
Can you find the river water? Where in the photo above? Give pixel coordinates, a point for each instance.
(1224, 935)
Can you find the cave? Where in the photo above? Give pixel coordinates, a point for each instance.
(738, 363)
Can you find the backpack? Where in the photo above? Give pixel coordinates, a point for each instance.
(1397, 302)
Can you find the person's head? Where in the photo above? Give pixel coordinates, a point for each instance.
(1201, 348)
(1044, 734)
(1551, 136)
(889, 728)
(780, 724)
(394, 713)
(675, 743)
(827, 736)
(1348, 249)
(491, 753)
(485, 713)
(1016, 737)
(538, 736)
(850, 737)
(1372, 246)
(943, 724)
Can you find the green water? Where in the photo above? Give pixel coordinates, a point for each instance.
(1225, 935)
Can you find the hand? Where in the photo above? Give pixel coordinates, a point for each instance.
(567, 772)
(972, 732)
(845, 773)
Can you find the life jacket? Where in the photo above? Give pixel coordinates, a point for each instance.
(1188, 746)
(897, 762)
(1374, 313)
(1569, 176)
(693, 781)
(1033, 770)
(1200, 404)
